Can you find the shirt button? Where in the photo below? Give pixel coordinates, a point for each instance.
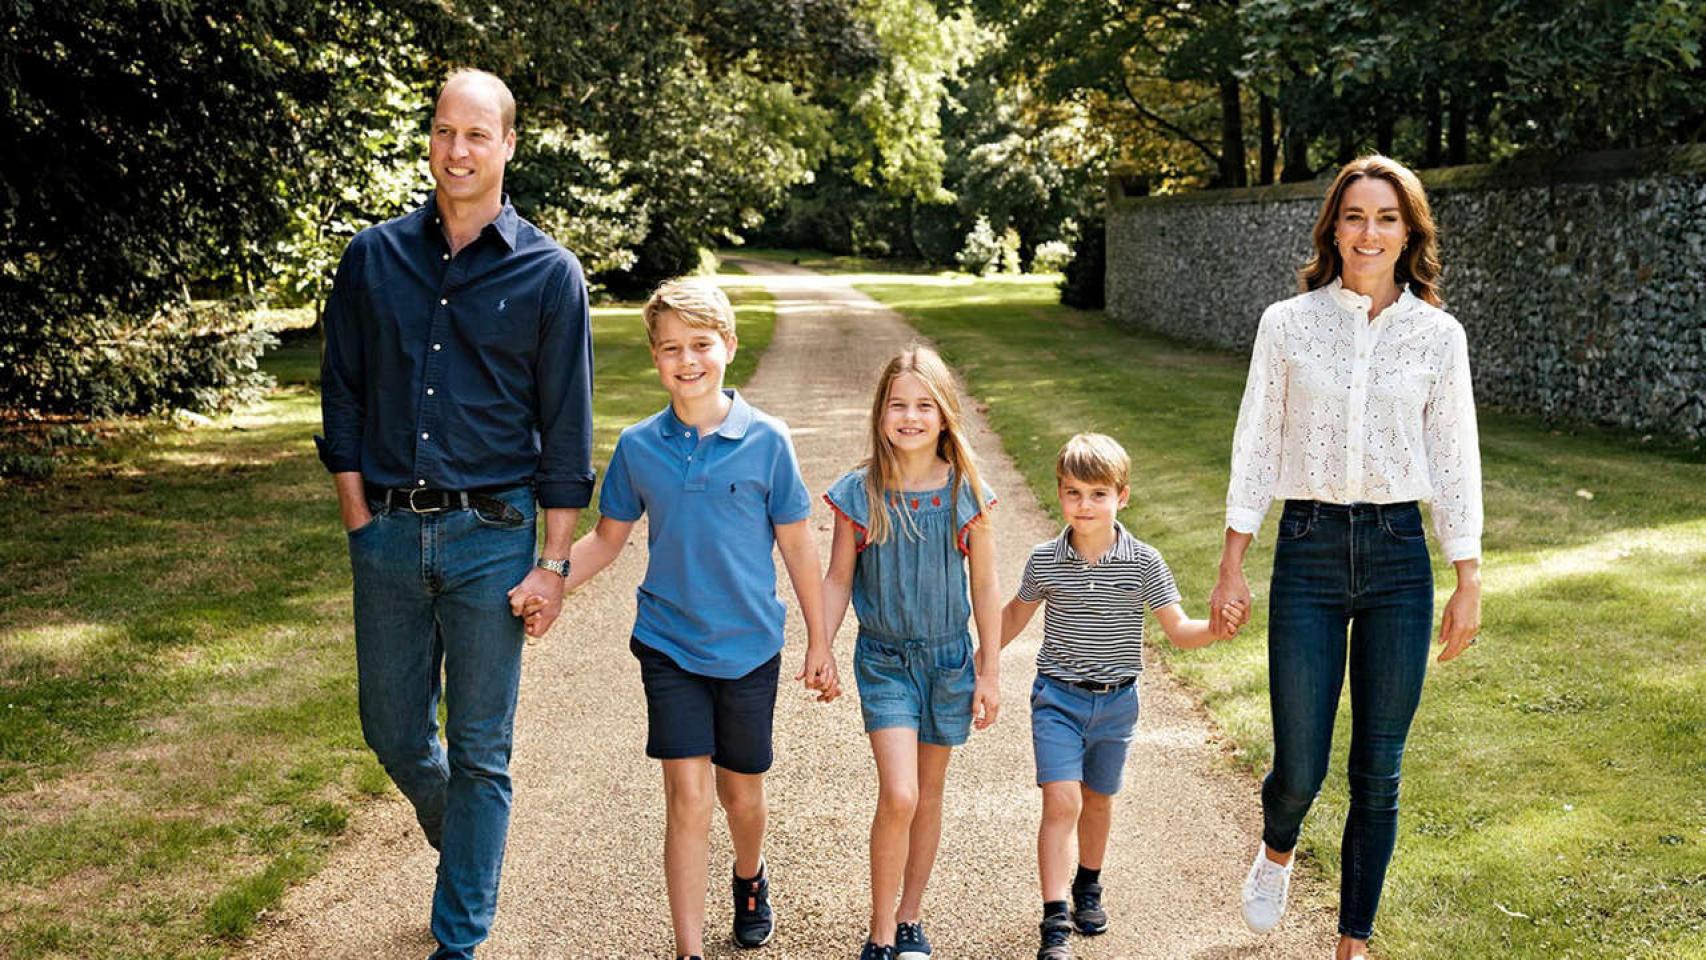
(447, 256)
(443, 303)
(429, 391)
(438, 346)
(426, 436)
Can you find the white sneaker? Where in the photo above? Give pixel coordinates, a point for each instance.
(1264, 892)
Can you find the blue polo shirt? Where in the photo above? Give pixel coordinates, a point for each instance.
(709, 598)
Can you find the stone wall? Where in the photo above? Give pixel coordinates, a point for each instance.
(1581, 283)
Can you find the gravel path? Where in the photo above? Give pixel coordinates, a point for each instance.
(583, 877)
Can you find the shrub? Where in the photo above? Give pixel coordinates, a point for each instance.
(1085, 276)
(1051, 257)
(982, 252)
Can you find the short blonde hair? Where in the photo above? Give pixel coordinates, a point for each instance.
(698, 301)
(1094, 458)
(506, 100)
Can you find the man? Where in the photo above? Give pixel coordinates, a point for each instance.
(456, 394)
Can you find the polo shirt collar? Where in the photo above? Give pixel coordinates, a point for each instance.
(1124, 548)
(734, 425)
(505, 226)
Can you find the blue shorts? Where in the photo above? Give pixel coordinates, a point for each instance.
(1082, 736)
(924, 685)
(690, 715)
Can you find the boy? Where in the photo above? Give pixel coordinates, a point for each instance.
(1097, 580)
(722, 486)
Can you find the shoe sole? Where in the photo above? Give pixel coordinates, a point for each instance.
(767, 937)
(1085, 930)
(912, 955)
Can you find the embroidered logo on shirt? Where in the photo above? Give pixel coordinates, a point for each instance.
(502, 304)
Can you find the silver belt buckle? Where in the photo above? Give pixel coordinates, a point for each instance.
(415, 509)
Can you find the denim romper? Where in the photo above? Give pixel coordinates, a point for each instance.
(913, 658)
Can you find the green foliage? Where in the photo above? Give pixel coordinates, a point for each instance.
(981, 254)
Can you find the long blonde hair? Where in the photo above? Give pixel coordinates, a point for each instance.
(1418, 266)
(882, 470)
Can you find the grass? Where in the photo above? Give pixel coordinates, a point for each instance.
(1553, 801)
(178, 733)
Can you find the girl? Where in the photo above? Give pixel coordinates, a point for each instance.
(1357, 406)
(908, 525)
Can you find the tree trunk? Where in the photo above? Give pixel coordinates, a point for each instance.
(1232, 172)
(1435, 111)
(1296, 167)
(1457, 135)
(1269, 151)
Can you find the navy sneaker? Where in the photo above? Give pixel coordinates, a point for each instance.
(1056, 938)
(874, 952)
(754, 922)
(1087, 913)
(910, 943)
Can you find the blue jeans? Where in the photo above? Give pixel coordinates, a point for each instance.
(430, 597)
(1364, 566)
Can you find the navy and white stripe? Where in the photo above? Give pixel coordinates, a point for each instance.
(1093, 618)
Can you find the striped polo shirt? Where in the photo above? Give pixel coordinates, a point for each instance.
(1093, 618)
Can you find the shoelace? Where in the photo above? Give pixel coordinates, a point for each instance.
(1270, 879)
(910, 932)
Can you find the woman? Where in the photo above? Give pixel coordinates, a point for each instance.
(1358, 404)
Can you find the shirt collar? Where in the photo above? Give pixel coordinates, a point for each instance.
(1358, 304)
(1124, 548)
(504, 226)
(733, 427)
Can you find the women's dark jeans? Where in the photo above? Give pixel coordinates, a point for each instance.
(1363, 567)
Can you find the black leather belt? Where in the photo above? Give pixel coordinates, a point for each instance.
(1095, 686)
(427, 500)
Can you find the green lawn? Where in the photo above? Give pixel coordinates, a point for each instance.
(1555, 788)
(178, 735)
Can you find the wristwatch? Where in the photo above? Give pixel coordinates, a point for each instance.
(558, 567)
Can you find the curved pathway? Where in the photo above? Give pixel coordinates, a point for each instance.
(583, 876)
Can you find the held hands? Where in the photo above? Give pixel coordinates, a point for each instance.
(538, 601)
(819, 672)
(1229, 604)
(985, 701)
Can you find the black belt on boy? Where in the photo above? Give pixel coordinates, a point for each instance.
(429, 500)
(1094, 686)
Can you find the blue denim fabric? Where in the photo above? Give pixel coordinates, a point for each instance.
(1365, 567)
(430, 594)
(925, 683)
(1082, 736)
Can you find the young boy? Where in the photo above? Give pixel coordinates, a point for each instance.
(1097, 580)
(721, 484)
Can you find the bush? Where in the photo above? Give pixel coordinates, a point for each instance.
(982, 251)
(1051, 257)
(202, 358)
(1083, 285)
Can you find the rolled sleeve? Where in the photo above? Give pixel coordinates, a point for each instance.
(342, 370)
(564, 377)
(1256, 449)
(1453, 447)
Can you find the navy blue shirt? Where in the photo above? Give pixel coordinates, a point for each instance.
(459, 372)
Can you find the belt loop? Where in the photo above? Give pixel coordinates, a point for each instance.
(1314, 512)
(463, 496)
(388, 492)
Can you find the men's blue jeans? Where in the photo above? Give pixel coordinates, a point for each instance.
(431, 608)
(1363, 567)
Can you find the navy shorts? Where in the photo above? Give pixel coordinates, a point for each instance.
(692, 715)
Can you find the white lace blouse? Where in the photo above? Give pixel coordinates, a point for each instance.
(1345, 410)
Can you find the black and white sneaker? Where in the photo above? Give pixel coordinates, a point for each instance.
(755, 924)
(1087, 913)
(910, 943)
(874, 952)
